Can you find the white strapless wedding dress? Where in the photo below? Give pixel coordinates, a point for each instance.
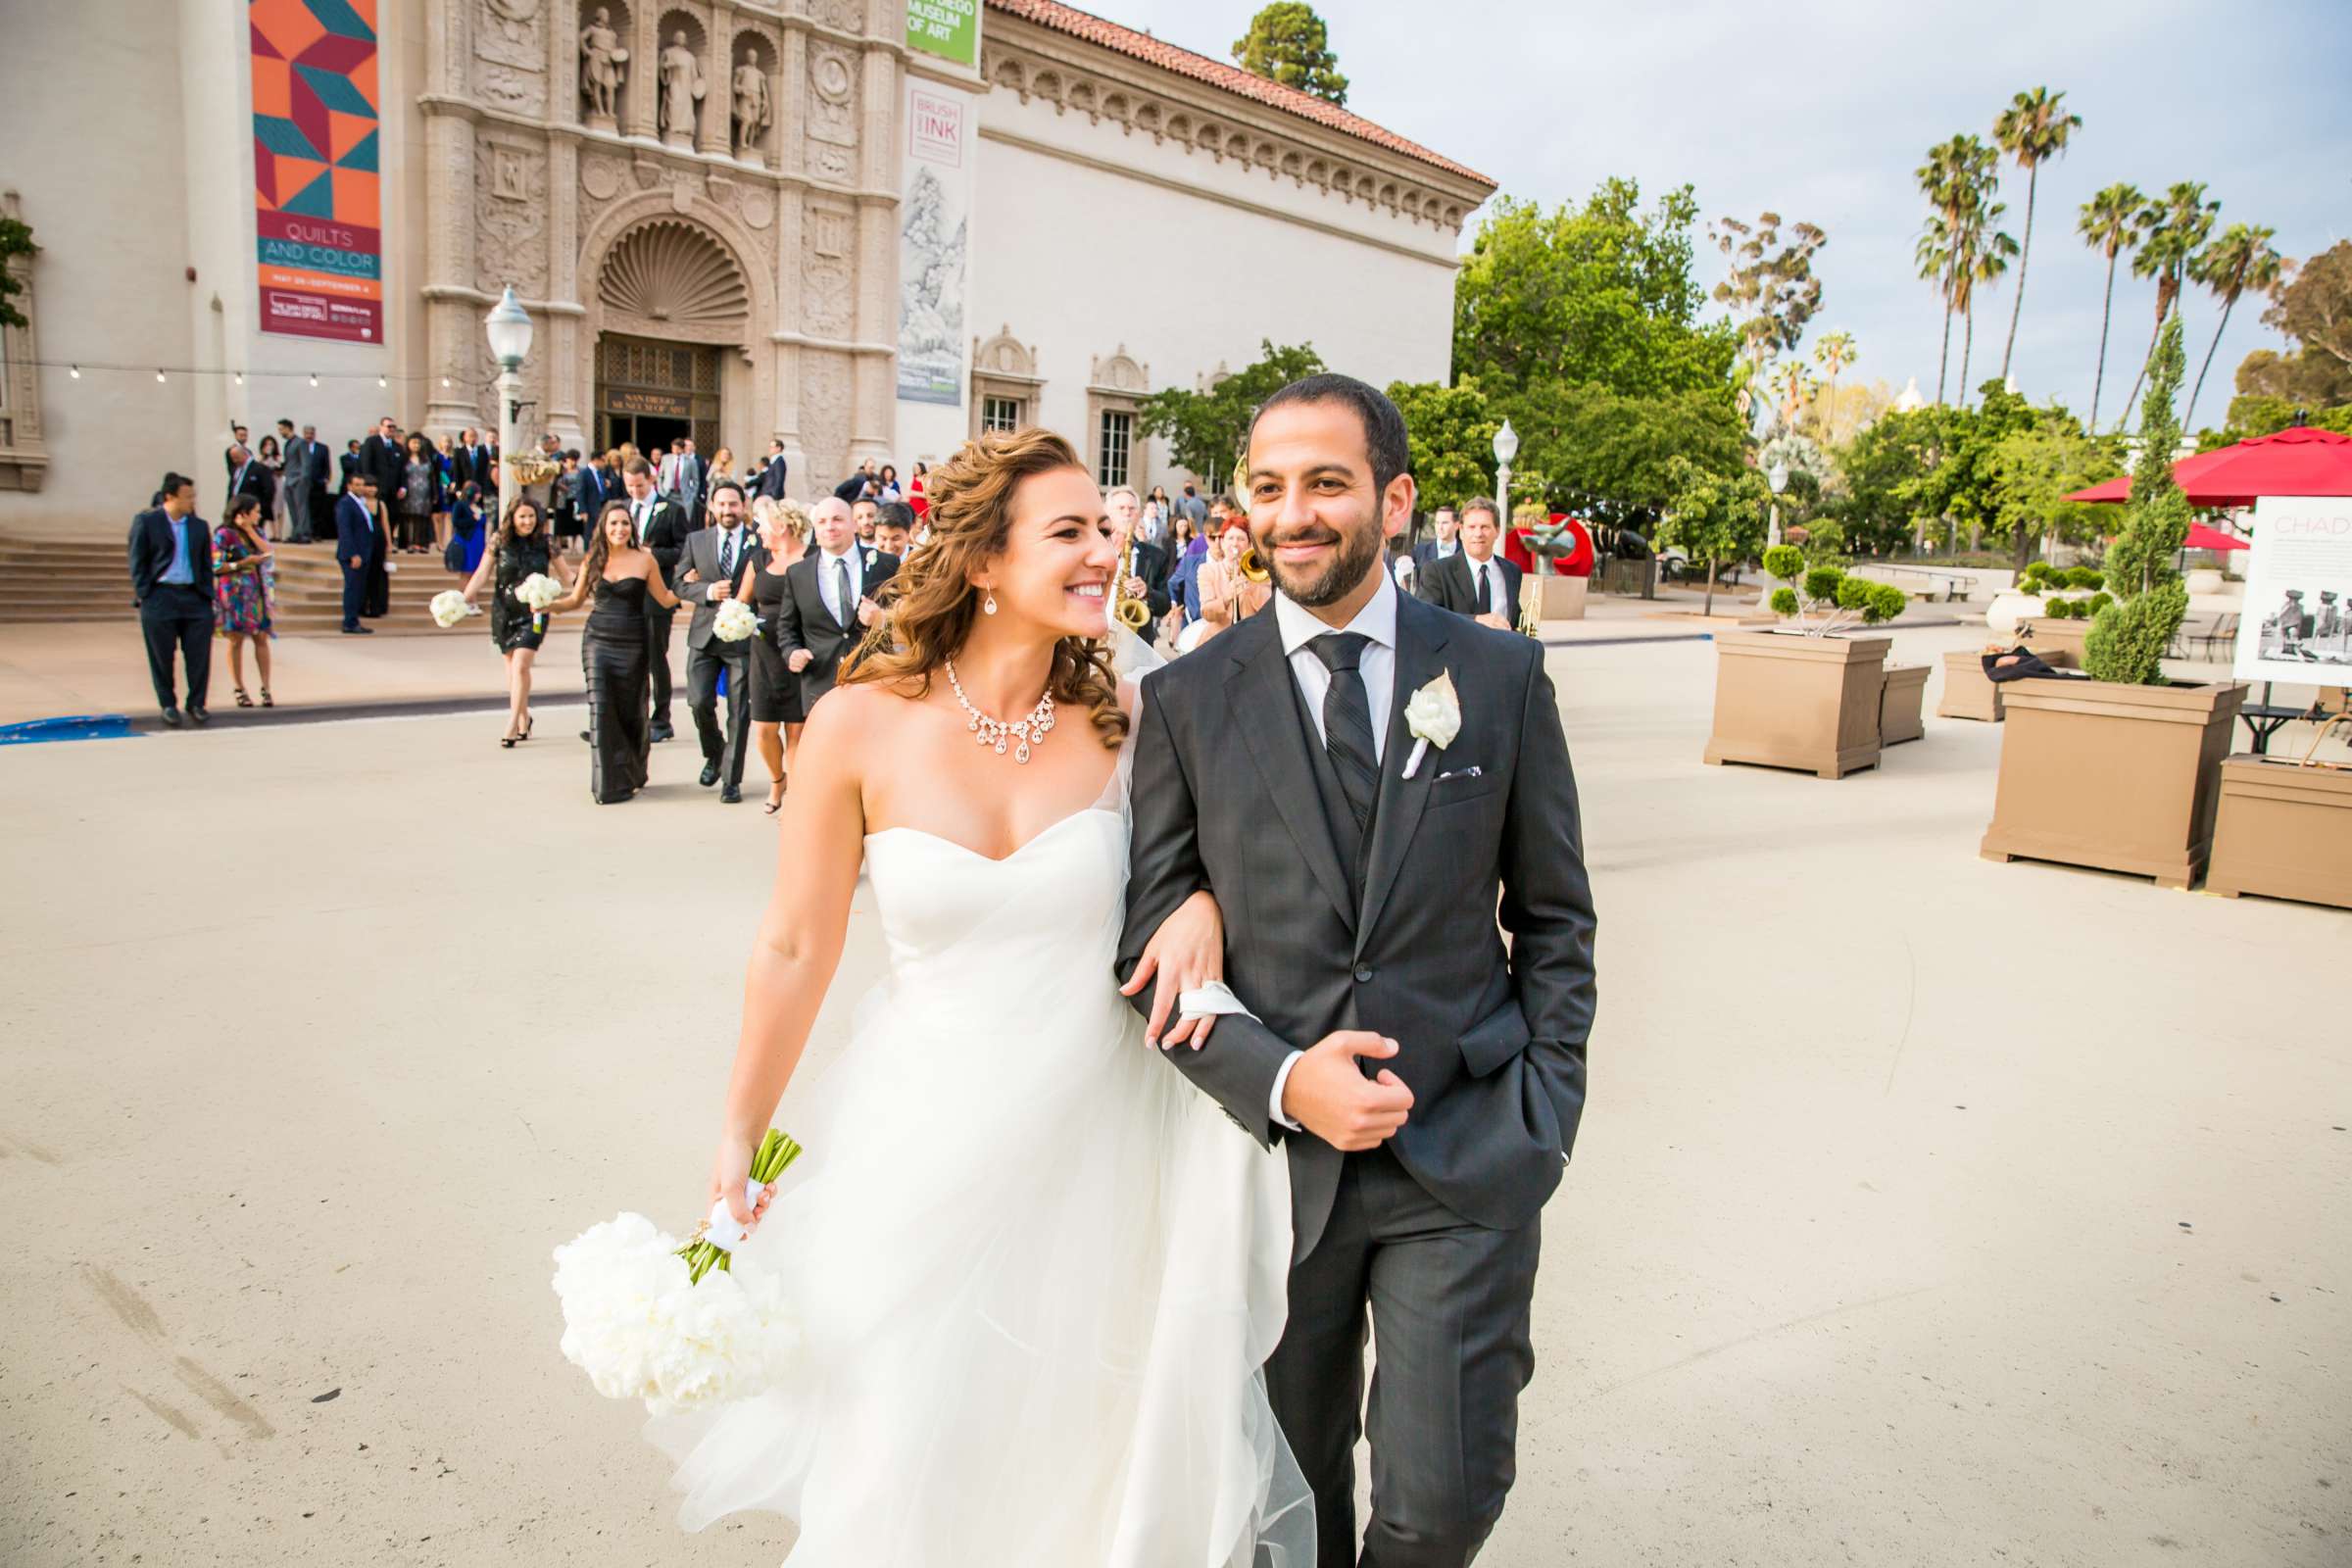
(1039, 1271)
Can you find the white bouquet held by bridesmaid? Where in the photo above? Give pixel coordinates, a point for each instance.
(734, 622)
(449, 606)
(538, 591)
(673, 1325)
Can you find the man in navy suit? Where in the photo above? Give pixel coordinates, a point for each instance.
(355, 545)
(1475, 580)
(771, 477)
(592, 488)
(171, 577)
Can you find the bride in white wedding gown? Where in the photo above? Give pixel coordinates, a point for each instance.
(1038, 1271)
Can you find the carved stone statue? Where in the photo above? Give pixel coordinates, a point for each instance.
(681, 90)
(751, 106)
(601, 60)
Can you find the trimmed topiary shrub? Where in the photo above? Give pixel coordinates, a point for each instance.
(2096, 602)
(2127, 642)
(2085, 577)
(1886, 602)
(1785, 562)
(1829, 599)
(1821, 583)
(1784, 601)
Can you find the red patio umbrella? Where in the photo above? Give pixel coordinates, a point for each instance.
(2201, 537)
(2294, 462)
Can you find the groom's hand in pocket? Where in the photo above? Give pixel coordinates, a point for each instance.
(1328, 1094)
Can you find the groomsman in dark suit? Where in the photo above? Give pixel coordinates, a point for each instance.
(355, 548)
(306, 461)
(771, 477)
(592, 487)
(172, 578)
(662, 529)
(1475, 580)
(347, 464)
(246, 477)
(707, 571)
(1429, 551)
(829, 598)
(381, 460)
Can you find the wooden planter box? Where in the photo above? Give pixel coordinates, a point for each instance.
(2284, 831)
(1564, 597)
(1906, 692)
(1784, 700)
(2118, 777)
(1968, 692)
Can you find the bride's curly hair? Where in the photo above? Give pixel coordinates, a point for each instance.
(930, 602)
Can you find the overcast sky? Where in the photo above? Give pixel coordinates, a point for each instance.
(1821, 109)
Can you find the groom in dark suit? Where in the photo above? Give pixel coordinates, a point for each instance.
(829, 598)
(662, 529)
(708, 567)
(1425, 1080)
(172, 580)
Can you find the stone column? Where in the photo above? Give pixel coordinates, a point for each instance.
(715, 133)
(873, 432)
(641, 109)
(564, 355)
(563, 63)
(792, 108)
(452, 319)
(791, 238)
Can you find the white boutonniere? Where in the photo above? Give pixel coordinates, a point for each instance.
(1434, 716)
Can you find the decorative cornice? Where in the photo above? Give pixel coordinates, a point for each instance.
(1072, 74)
(1286, 214)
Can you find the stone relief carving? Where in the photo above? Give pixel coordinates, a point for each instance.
(600, 176)
(510, 33)
(825, 296)
(828, 231)
(604, 69)
(832, 96)
(829, 163)
(826, 389)
(841, 13)
(757, 207)
(510, 218)
(509, 87)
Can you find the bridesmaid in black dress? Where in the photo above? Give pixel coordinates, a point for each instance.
(613, 652)
(520, 549)
(777, 711)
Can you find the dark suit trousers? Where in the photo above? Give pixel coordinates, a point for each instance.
(355, 594)
(723, 747)
(177, 617)
(1450, 1302)
(657, 659)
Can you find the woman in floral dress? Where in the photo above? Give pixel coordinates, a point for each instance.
(242, 585)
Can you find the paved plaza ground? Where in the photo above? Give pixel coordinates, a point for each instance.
(1927, 1210)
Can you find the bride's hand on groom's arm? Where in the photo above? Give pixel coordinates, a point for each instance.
(1187, 952)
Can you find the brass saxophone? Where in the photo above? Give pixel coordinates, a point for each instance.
(1131, 611)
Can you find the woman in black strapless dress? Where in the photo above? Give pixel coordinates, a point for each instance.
(613, 654)
(777, 711)
(520, 549)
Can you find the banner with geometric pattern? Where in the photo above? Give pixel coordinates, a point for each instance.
(318, 216)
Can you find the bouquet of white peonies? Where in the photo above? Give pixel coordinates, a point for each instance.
(538, 591)
(449, 606)
(734, 622)
(675, 1326)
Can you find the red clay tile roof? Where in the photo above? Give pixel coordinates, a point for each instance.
(1143, 46)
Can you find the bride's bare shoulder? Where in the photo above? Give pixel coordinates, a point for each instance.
(860, 719)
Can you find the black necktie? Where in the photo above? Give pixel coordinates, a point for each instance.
(1348, 722)
(841, 592)
(1486, 587)
(726, 555)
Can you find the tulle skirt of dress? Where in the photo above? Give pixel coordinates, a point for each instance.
(1039, 1273)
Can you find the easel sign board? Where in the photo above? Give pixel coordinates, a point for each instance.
(2297, 623)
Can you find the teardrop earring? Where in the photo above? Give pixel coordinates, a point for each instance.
(988, 606)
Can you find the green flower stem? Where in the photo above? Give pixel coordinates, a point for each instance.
(775, 1156)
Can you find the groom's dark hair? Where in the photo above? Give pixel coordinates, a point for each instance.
(1384, 426)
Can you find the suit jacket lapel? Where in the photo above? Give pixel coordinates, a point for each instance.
(1262, 696)
(1421, 633)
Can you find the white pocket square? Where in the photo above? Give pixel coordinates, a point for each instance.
(1466, 772)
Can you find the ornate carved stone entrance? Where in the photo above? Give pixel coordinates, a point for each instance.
(649, 392)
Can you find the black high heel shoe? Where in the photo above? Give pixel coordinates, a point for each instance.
(527, 720)
(507, 742)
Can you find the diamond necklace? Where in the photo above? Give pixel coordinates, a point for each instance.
(994, 732)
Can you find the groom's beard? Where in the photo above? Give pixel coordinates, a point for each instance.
(1335, 582)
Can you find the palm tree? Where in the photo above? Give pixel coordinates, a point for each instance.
(1957, 178)
(1792, 385)
(2176, 227)
(2033, 130)
(2241, 258)
(2109, 224)
(1833, 353)
(1980, 256)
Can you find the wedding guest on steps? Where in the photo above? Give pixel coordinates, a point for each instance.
(172, 578)
(242, 592)
(355, 548)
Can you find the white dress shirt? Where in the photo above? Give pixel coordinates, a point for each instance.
(1376, 665)
(845, 614)
(1495, 603)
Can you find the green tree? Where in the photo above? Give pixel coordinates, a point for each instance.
(1713, 515)
(1605, 455)
(2315, 310)
(1600, 295)
(2176, 227)
(2109, 223)
(1771, 288)
(2254, 414)
(1961, 485)
(1980, 254)
(2033, 471)
(1833, 353)
(2034, 130)
(2240, 259)
(1449, 432)
(2127, 641)
(1287, 42)
(16, 240)
(1957, 179)
(1206, 430)
(1884, 471)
